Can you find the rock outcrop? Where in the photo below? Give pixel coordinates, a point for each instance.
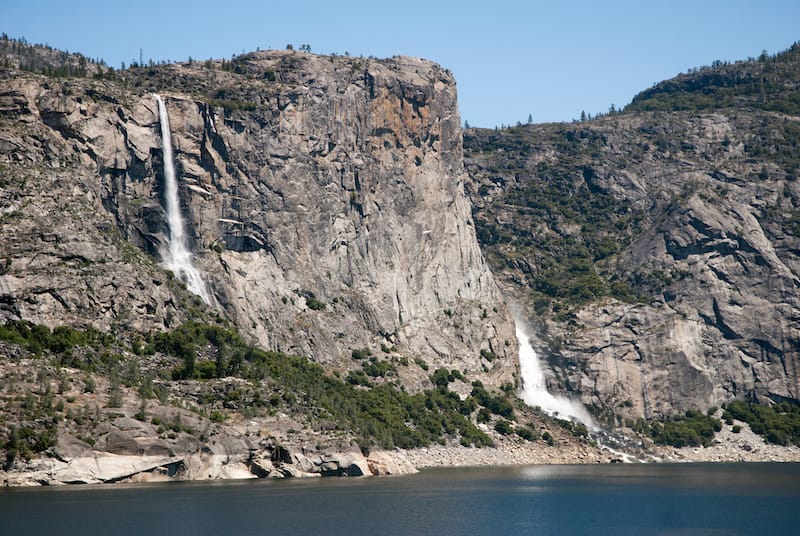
(95, 436)
(241, 459)
(323, 197)
(678, 234)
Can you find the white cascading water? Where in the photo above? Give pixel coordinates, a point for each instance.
(177, 257)
(534, 393)
(534, 388)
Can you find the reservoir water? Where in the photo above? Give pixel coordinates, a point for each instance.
(601, 499)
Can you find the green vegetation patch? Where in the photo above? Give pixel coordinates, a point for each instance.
(778, 424)
(693, 429)
(379, 414)
(758, 83)
(497, 404)
(62, 340)
(26, 441)
(559, 225)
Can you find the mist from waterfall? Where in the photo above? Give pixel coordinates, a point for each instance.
(534, 389)
(177, 256)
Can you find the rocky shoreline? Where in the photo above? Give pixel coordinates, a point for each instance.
(506, 453)
(98, 440)
(746, 448)
(281, 462)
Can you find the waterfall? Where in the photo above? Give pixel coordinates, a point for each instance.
(534, 389)
(534, 393)
(177, 257)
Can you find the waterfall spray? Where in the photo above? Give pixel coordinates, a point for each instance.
(534, 389)
(177, 257)
(534, 393)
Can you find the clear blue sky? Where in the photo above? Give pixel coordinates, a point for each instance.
(510, 58)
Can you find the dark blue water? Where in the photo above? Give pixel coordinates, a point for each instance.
(602, 499)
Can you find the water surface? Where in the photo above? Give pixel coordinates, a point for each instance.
(601, 499)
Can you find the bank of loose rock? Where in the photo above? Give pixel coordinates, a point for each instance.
(744, 446)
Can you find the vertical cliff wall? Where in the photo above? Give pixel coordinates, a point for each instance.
(323, 198)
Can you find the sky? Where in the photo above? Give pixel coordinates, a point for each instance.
(511, 59)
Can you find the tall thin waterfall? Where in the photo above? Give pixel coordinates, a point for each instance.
(534, 389)
(177, 257)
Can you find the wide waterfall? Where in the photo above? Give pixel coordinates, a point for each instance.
(534, 389)
(177, 256)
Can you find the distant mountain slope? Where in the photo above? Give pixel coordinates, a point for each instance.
(770, 83)
(44, 59)
(658, 251)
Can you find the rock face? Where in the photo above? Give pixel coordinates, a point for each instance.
(679, 232)
(226, 453)
(323, 197)
(65, 260)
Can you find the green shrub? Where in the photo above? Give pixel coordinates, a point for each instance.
(727, 417)
(377, 368)
(441, 377)
(141, 415)
(314, 304)
(205, 370)
(577, 429)
(488, 355)
(526, 433)
(115, 396)
(361, 353)
(467, 406)
(89, 385)
(503, 427)
(358, 377)
(499, 405)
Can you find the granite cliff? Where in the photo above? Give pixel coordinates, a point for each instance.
(323, 199)
(657, 248)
